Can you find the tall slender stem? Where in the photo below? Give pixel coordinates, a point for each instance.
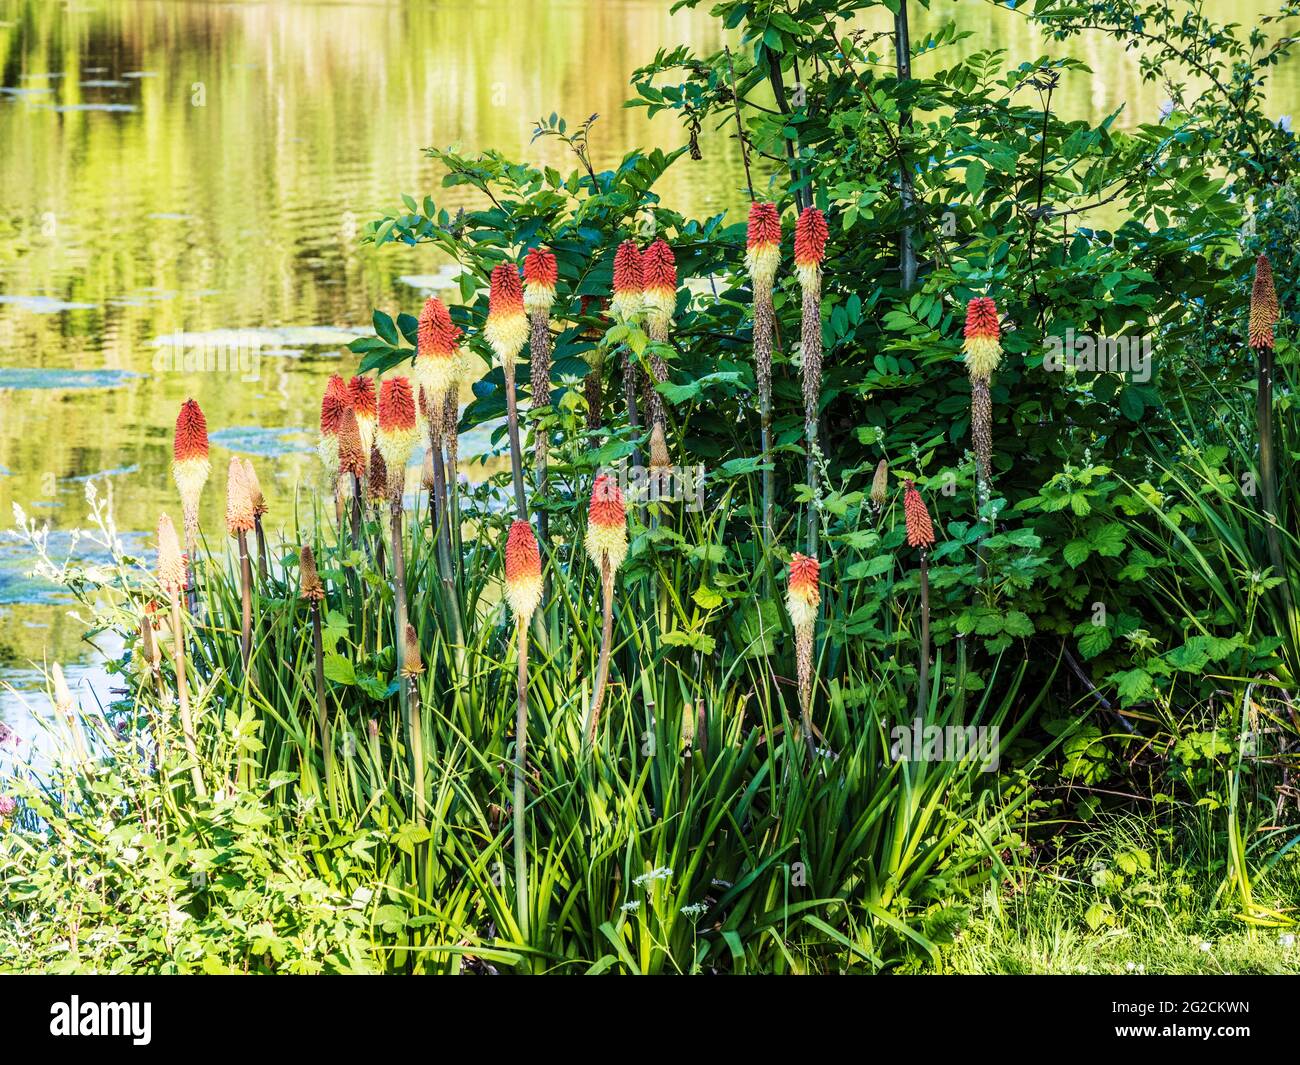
(262, 566)
(183, 696)
(416, 742)
(903, 66)
(516, 454)
(521, 769)
(923, 684)
(246, 601)
(606, 639)
(399, 600)
(322, 707)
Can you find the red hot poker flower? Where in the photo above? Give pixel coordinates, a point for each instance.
(191, 440)
(920, 531)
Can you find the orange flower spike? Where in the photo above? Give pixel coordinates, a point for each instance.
(438, 359)
(397, 429)
(239, 500)
(982, 337)
(190, 464)
(523, 571)
(629, 283)
(763, 248)
(659, 272)
(334, 402)
(803, 592)
(171, 562)
(606, 539)
(352, 451)
(361, 393)
(540, 277)
(920, 530)
(506, 328)
(1264, 309)
(810, 236)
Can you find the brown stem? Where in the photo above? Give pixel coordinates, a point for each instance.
(811, 334)
(246, 601)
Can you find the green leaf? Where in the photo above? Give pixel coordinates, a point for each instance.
(385, 327)
(339, 669)
(1076, 552)
(975, 174)
(1094, 640)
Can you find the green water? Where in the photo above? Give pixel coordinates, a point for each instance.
(189, 177)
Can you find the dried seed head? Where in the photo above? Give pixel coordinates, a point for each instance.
(426, 473)
(523, 570)
(63, 700)
(1264, 309)
(880, 483)
(171, 563)
(254, 489)
(378, 475)
(659, 457)
(920, 532)
(352, 451)
(239, 501)
(412, 664)
(309, 582)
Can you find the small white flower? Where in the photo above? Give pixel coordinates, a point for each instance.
(694, 910)
(631, 907)
(1129, 966)
(1286, 940)
(1205, 948)
(655, 874)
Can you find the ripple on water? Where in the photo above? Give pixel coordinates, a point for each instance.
(22, 379)
(263, 442)
(45, 304)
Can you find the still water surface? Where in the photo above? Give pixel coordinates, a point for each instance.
(189, 172)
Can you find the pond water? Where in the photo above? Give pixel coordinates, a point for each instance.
(185, 175)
